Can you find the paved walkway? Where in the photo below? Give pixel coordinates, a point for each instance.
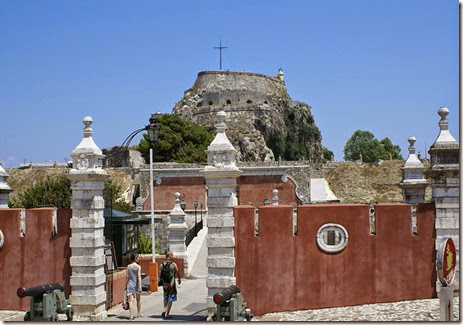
(191, 304)
(424, 310)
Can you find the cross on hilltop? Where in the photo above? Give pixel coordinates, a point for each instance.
(220, 48)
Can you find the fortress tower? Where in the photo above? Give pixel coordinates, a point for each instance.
(258, 108)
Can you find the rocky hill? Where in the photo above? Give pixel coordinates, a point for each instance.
(262, 119)
(349, 181)
(354, 183)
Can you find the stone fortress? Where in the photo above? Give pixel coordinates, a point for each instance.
(256, 105)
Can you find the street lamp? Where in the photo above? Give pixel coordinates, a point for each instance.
(195, 204)
(183, 205)
(153, 132)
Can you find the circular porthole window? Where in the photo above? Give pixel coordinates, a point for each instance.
(332, 238)
(2, 239)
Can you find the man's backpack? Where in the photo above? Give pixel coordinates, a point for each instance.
(166, 274)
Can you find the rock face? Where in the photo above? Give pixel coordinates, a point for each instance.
(257, 107)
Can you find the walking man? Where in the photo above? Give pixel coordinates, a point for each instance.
(167, 273)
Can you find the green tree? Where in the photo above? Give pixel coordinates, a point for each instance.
(276, 143)
(179, 141)
(327, 154)
(364, 143)
(394, 150)
(51, 192)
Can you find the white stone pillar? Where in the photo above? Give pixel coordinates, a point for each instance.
(88, 295)
(177, 229)
(5, 189)
(413, 182)
(221, 176)
(444, 172)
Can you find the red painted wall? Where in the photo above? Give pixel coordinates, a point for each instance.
(278, 271)
(191, 189)
(258, 188)
(119, 284)
(250, 188)
(36, 259)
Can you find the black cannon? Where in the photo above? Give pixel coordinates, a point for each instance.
(231, 305)
(46, 302)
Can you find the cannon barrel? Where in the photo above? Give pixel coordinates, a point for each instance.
(225, 294)
(39, 290)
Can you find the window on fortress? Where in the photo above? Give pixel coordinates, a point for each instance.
(228, 101)
(332, 238)
(265, 102)
(249, 101)
(210, 102)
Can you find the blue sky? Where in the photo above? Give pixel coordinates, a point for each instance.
(382, 66)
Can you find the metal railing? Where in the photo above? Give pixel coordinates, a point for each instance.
(193, 232)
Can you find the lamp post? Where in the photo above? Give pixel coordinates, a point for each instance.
(153, 132)
(201, 206)
(195, 204)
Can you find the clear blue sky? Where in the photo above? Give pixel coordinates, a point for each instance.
(382, 66)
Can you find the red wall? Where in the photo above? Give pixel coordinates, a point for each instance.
(250, 188)
(191, 189)
(278, 271)
(36, 259)
(258, 188)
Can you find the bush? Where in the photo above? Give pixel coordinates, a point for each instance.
(51, 192)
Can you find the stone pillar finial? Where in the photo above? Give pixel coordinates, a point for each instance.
(275, 197)
(411, 147)
(177, 201)
(88, 131)
(443, 123)
(444, 137)
(87, 157)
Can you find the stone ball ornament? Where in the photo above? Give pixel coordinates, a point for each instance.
(446, 261)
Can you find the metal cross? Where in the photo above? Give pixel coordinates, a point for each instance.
(220, 48)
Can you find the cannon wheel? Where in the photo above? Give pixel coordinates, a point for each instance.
(27, 316)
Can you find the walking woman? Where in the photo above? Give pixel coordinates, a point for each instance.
(134, 284)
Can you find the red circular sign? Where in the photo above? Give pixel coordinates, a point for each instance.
(446, 261)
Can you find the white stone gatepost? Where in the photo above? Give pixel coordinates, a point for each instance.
(445, 174)
(5, 189)
(413, 182)
(88, 296)
(221, 176)
(177, 233)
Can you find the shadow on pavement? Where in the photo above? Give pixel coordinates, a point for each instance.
(181, 318)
